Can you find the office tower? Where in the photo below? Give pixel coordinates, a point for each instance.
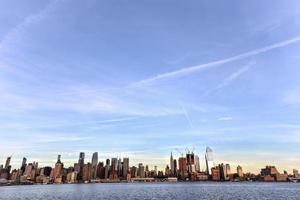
(23, 165)
(155, 170)
(94, 165)
(107, 162)
(120, 168)
(114, 165)
(228, 170)
(175, 167)
(87, 172)
(239, 170)
(172, 164)
(208, 160)
(125, 167)
(222, 171)
(197, 163)
(106, 174)
(133, 172)
(57, 172)
(190, 162)
(81, 164)
(215, 173)
(47, 171)
(7, 163)
(101, 170)
(167, 171)
(58, 159)
(182, 167)
(141, 170)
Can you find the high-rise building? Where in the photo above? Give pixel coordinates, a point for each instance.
(57, 172)
(209, 160)
(228, 171)
(141, 170)
(58, 159)
(239, 170)
(87, 172)
(197, 163)
(81, 164)
(215, 173)
(172, 165)
(175, 167)
(94, 165)
(125, 167)
(101, 170)
(23, 165)
(7, 163)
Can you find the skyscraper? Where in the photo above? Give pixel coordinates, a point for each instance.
(58, 159)
(240, 171)
(125, 167)
(7, 163)
(172, 164)
(23, 165)
(208, 160)
(94, 165)
(197, 163)
(81, 164)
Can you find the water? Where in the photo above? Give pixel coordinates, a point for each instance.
(168, 191)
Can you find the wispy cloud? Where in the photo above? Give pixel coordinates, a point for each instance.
(16, 34)
(227, 118)
(189, 70)
(234, 76)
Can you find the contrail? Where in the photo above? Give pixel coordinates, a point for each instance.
(186, 116)
(188, 70)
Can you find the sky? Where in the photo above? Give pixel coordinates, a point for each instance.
(143, 78)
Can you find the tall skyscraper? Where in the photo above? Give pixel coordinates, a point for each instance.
(240, 171)
(209, 160)
(58, 159)
(94, 165)
(141, 170)
(125, 167)
(81, 165)
(23, 165)
(7, 163)
(197, 163)
(172, 164)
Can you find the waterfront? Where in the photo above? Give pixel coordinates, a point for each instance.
(174, 191)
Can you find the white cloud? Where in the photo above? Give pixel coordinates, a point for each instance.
(227, 118)
(192, 69)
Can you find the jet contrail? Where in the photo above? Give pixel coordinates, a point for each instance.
(188, 70)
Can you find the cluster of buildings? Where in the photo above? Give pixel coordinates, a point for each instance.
(186, 168)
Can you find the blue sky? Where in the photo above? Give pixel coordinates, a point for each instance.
(142, 78)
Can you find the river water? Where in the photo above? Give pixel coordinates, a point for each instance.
(168, 191)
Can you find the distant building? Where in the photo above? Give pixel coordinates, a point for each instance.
(172, 164)
(182, 167)
(141, 171)
(197, 163)
(125, 167)
(270, 173)
(209, 160)
(94, 165)
(81, 164)
(215, 174)
(240, 172)
(87, 172)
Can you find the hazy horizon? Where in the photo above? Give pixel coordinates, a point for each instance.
(143, 78)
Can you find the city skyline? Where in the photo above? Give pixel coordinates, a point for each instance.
(184, 168)
(142, 79)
